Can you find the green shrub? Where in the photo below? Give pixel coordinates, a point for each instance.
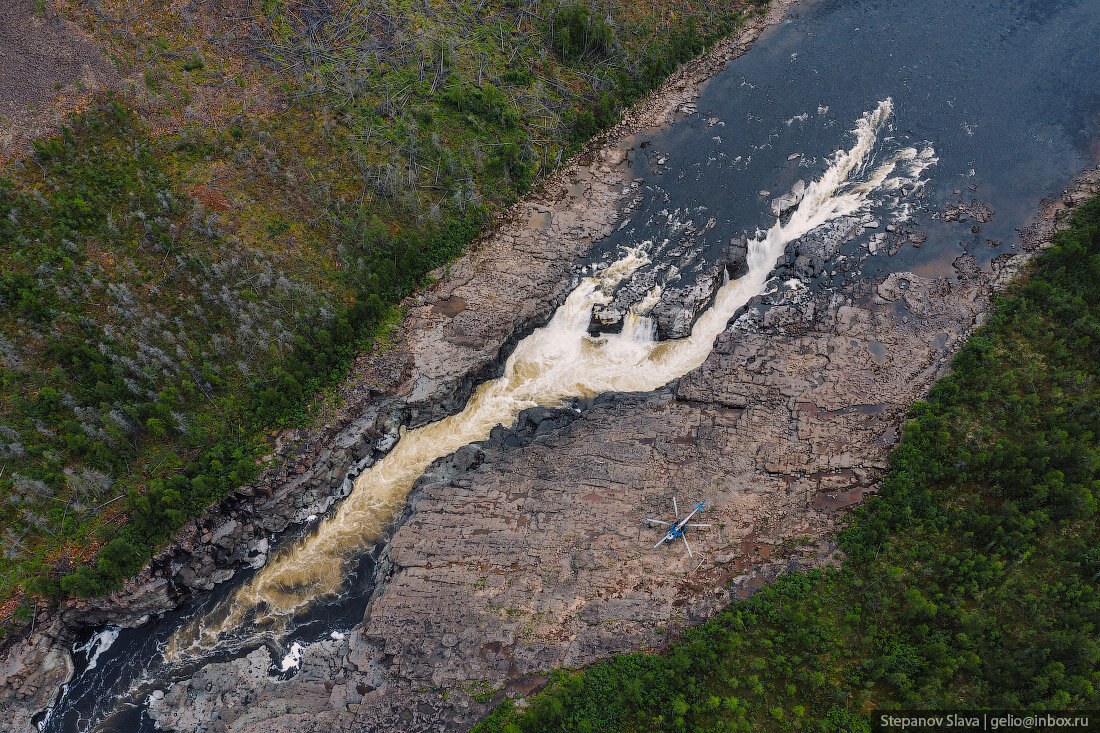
(576, 34)
(519, 77)
(153, 79)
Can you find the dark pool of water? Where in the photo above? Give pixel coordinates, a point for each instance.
(111, 697)
(1007, 93)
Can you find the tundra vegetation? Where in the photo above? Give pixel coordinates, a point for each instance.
(970, 579)
(194, 262)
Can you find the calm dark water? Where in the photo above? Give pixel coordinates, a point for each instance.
(1007, 93)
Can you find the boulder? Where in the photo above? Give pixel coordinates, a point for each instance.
(782, 204)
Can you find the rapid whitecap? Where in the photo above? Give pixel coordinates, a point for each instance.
(555, 363)
(98, 644)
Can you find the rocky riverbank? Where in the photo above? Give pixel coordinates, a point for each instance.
(455, 335)
(528, 552)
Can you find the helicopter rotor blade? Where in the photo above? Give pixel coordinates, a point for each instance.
(659, 543)
(675, 508)
(688, 546)
(695, 524)
(658, 521)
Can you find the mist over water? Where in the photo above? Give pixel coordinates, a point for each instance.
(1006, 93)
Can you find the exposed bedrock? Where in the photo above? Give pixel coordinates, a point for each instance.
(687, 294)
(530, 551)
(454, 337)
(686, 285)
(788, 201)
(682, 301)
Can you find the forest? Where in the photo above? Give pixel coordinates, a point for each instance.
(969, 580)
(192, 264)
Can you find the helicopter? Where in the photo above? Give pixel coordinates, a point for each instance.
(676, 529)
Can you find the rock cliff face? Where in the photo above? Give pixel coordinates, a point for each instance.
(537, 557)
(682, 298)
(32, 672)
(529, 552)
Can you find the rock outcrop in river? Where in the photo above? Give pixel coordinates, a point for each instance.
(454, 336)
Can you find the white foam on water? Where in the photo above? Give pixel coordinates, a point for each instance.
(557, 362)
(293, 658)
(98, 644)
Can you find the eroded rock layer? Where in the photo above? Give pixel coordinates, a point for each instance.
(529, 551)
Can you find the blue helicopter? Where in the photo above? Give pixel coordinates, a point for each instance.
(676, 529)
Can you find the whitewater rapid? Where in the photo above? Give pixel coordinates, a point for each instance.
(557, 362)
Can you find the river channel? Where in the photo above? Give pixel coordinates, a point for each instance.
(889, 113)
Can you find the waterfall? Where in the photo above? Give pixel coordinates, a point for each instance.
(558, 361)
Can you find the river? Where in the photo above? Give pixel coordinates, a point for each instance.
(886, 112)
